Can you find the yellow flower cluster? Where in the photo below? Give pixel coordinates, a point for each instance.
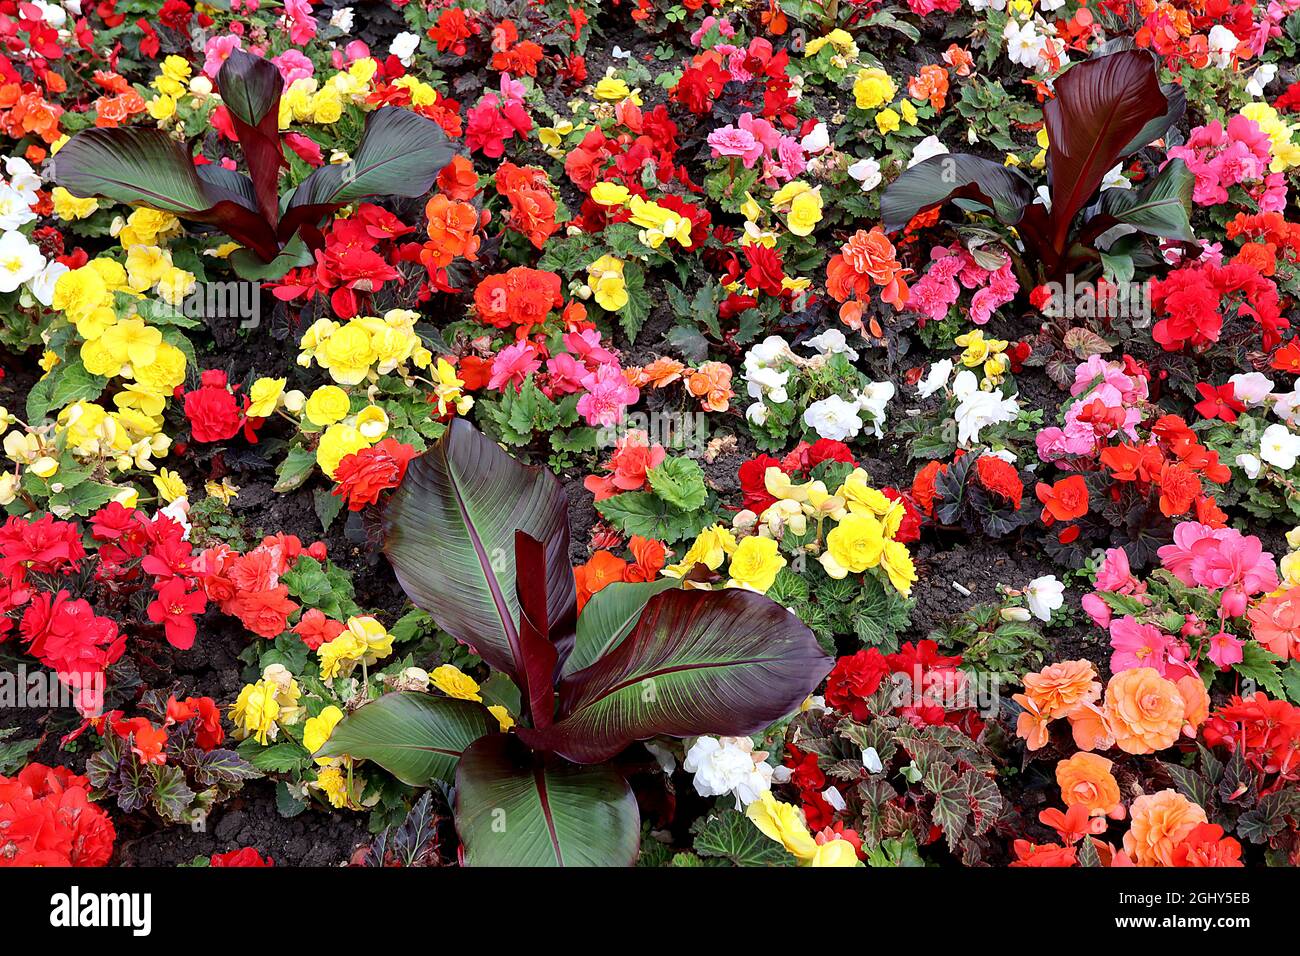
(801, 204)
(307, 101)
(873, 89)
(364, 347)
(755, 560)
(364, 641)
(657, 223)
(990, 353)
(171, 84)
(266, 706)
(608, 287)
(865, 525)
(784, 823)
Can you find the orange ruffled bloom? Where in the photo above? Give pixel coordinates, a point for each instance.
(602, 570)
(1059, 688)
(866, 258)
(711, 384)
(1085, 780)
(1146, 712)
(452, 228)
(1161, 821)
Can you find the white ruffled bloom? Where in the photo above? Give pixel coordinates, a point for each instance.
(817, 140)
(15, 209)
(1264, 75)
(404, 46)
(1222, 42)
(1024, 43)
(1286, 404)
(927, 148)
(1251, 388)
(977, 410)
(728, 765)
(1250, 464)
(1279, 446)
(936, 379)
(1044, 595)
(867, 173)
(41, 286)
(19, 261)
(833, 418)
(872, 402)
(343, 20)
(832, 342)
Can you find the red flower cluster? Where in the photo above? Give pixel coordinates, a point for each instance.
(47, 819)
(511, 56)
(758, 66)
(364, 475)
(215, 412)
(928, 689)
(648, 140)
(452, 29)
(1197, 299)
(245, 856)
(1174, 466)
(247, 586)
(359, 256)
(1000, 477)
(1267, 730)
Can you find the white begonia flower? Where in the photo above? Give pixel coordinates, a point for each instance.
(1279, 446)
(15, 209)
(832, 342)
(728, 765)
(757, 413)
(928, 147)
(1115, 178)
(981, 409)
(935, 379)
(41, 285)
(1222, 42)
(965, 385)
(1286, 404)
(23, 179)
(871, 760)
(404, 46)
(833, 418)
(1264, 75)
(873, 400)
(1251, 388)
(343, 20)
(1250, 464)
(19, 261)
(867, 173)
(768, 383)
(1044, 595)
(817, 140)
(1024, 43)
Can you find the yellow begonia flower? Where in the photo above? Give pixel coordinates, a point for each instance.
(68, 207)
(327, 405)
(454, 683)
(710, 548)
(610, 194)
(783, 823)
(316, 731)
(856, 543)
(169, 486)
(887, 121)
(872, 88)
(372, 422)
(605, 276)
(835, 853)
(337, 443)
(504, 720)
(908, 110)
(754, 564)
(897, 562)
(264, 396)
(613, 90)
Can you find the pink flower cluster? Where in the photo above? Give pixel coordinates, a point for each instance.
(1221, 559)
(953, 268)
(753, 139)
(496, 118)
(1107, 395)
(585, 366)
(1237, 156)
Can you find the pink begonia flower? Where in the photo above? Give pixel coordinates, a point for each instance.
(1116, 575)
(217, 51)
(294, 65)
(586, 345)
(608, 396)
(512, 365)
(1137, 645)
(725, 29)
(565, 375)
(731, 142)
(300, 20)
(1097, 609)
(1225, 650)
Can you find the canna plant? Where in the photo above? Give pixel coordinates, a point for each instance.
(1105, 109)
(400, 154)
(481, 542)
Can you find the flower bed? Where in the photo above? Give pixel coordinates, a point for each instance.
(778, 433)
